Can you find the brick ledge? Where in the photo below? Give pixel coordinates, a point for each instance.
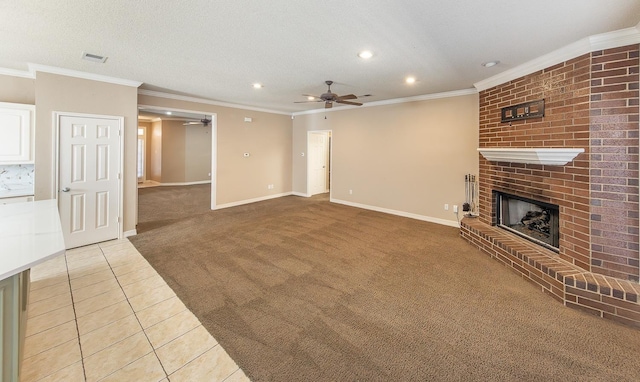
(604, 296)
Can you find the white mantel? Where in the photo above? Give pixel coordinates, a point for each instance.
(544, 156)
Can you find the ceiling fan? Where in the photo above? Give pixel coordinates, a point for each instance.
(329, 98)
(204, 122)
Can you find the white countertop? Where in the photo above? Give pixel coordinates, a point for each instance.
(30, 233)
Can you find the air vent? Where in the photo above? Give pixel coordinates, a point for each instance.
(93, 57)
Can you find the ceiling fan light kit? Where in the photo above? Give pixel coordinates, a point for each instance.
(204, 122)
(329, 98)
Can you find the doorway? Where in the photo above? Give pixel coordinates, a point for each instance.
(319, 162)
(88, 177)
(164, 156)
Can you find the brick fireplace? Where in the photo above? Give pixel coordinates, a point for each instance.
(592, 103)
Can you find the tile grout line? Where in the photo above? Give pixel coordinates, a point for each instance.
(75, 316)
(136, 316)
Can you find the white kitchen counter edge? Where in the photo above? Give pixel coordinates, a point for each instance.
(30, 233)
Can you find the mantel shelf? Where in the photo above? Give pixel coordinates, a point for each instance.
(544, 156)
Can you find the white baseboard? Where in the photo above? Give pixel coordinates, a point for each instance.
(132, 232)
(248, 201)
(451, 223)
(300, 194)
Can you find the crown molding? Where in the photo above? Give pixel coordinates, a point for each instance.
(17, 73)
(586, 45)
(177, 97)
(424, 97)
(33, 68)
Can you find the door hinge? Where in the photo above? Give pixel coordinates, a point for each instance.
(119, 176)
(118, 219)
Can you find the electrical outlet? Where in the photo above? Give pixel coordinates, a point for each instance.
(446, 207)
(455, 209)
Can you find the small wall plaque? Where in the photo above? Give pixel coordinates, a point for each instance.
(533, 109)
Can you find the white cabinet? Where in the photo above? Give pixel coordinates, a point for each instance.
(16, 133)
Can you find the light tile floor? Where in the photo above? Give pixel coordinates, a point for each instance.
(102, 313)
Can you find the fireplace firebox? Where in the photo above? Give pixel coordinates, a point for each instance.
(534, 220)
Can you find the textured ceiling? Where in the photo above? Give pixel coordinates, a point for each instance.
(217, 49)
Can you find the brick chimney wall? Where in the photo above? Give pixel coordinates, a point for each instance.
(591, 102)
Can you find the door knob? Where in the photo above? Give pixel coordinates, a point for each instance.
(66, 189)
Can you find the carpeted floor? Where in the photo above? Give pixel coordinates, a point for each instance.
(301, 289)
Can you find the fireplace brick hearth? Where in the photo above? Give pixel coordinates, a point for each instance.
(591, 102)
(603, 296)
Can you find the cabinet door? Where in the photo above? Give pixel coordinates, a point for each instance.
(16, 133)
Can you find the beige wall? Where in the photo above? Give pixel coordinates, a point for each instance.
(409, 157)
(17, 90)
(67, 94)
(197, 153)
(173, 152)
(267, 139)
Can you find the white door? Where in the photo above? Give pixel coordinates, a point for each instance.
(88, 178)
(318, 162)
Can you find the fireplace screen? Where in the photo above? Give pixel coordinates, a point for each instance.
(533, 220)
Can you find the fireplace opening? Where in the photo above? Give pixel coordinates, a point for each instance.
(534, 220)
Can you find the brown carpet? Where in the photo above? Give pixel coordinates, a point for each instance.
(301, 289)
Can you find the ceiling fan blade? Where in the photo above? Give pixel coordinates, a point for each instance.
(348, 96)
(349, 103)
(328, 105)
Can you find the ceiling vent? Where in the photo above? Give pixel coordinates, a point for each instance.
(93, 57)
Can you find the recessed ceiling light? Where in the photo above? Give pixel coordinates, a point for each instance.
(169, 113)
(489, 64)
(257, 85)
(311, 98)
(410, 80)
(365, 54)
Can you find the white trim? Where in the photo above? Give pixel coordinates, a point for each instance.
(450, 223)
(424, 97)
(544, 156)
(17, 73)
(586, 45)
(153, 93)
(248, 201)
(301, 194)
(33, 68)
(130, 233)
